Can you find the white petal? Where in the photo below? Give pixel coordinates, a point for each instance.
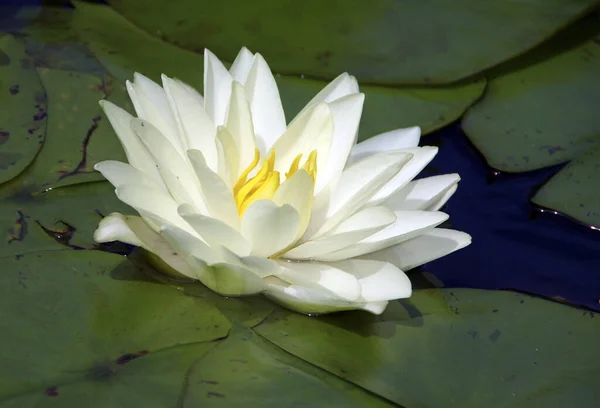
(197, 96)
(341, 86)
(135, 99)
(262, 267)
(118, 174)
(436, 205)
(136, 153)
(241, 65)
(152, 201)
(265, 104)
(315, 301)
(217, 195)
(223, 159)
(422, 157)
(352, 230)
(408, 225)
(269, 228)
(236, 276)
(152, 100)
(217, 88)
(392, 140)
(318, 275)
(196, 127)
(187, 244)
(135, 231)
(241, 129)
(297, 191)
(379, 281)
(175, 171)
(214, 232)
(356, 185)
(422, 249)
(180, 193)
(423, 193)
(233, 280)
(226, 279)
(114, 227)
(312, 131)
(346, 113)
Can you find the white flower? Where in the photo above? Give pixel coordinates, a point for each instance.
(231, 196)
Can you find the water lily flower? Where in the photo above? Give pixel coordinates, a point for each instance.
(230, 194)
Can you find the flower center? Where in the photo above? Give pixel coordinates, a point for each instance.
(266, 182)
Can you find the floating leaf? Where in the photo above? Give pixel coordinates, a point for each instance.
(52, 43)
(455, 348)
(248, 310)
(23, 113)
(77, 314)
(575, 190)
(385, 109)
(246, 370)
(537, 111)
(124, 49)
(74, 121)
(59, 219)
(380, 41)
(150, 381)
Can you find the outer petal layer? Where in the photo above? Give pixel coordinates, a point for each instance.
(422, 249)
(134, 230)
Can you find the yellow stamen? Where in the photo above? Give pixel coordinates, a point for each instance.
(265, 191)
(311, 164)
(266, 181)
(242, 179)
(260, 187)
(293, 167)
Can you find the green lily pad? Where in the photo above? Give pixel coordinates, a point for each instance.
(154, 381)
(380, 41)
(249, 310)
(71, 315)
(123, 49)
(59, 219)
(455, 348)
(78, 134)
(391, 108)
(246, 370)
(51, 42)
(537, 111)
(385, 109)
(23, 113)
(575, 190)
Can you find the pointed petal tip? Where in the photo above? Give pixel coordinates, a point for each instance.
(137, 76)
(209, 54)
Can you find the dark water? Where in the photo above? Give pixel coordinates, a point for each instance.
(515, 245)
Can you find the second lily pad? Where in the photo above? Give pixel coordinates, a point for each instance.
(539, 110)
(498, 348)
(385, 108)
(23, 112)
(575, 190)
(380, 41)
(75, 123)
